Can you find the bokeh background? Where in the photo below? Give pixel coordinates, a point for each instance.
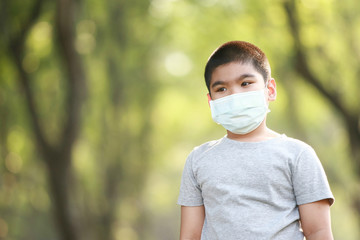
(102, 101)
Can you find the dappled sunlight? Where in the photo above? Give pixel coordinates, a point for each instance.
(178, 64)
(161, 8)
(40, 39)
(99, 110)
(85, 40)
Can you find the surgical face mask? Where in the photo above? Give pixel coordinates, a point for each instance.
(240, 113)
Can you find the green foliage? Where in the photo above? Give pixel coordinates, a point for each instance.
(146, 106)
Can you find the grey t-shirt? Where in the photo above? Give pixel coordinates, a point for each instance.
(251, 190)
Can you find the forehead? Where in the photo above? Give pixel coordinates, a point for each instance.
(234, 70)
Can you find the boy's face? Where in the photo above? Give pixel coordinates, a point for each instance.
(238, 77)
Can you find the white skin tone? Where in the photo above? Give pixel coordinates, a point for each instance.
(237, 78)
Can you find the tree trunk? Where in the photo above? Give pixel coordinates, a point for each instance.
(60, 179)
(57, 157)
(350, 118)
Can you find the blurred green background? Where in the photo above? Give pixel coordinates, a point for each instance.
(102, 101)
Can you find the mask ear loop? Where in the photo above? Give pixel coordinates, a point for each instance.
(267, 89)
(266, 85)
(209, 98)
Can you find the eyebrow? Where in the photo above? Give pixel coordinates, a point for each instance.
(243, 76)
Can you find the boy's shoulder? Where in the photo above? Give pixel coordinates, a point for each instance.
(290, 142)
(207, 146)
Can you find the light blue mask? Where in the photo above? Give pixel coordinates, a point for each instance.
(240, 113)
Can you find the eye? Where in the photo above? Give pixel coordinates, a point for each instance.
(221, 89)
(244, 84)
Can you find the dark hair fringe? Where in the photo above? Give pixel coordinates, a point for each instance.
(237, 51)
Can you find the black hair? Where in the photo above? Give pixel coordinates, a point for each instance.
(237, 51)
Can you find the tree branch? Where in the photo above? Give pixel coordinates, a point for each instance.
(351, 118)
(16, 47)
(65, 22)
(302, 66)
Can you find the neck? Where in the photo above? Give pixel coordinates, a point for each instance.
(261, 133)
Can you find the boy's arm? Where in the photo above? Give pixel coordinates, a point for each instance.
(315, 220)
(192, 221)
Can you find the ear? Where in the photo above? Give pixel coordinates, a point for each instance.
(209, 98)
(271, 86)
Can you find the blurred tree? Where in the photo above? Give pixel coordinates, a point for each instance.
(126, 48)
(57, 156)
(123, 142)
(140, 65)
(349, 111)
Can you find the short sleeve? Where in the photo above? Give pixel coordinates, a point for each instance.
(309, 179)
(190, 191)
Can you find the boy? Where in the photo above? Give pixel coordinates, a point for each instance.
(253, 183)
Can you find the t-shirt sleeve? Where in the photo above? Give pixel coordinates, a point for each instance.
(309, 179)
(190, 191)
